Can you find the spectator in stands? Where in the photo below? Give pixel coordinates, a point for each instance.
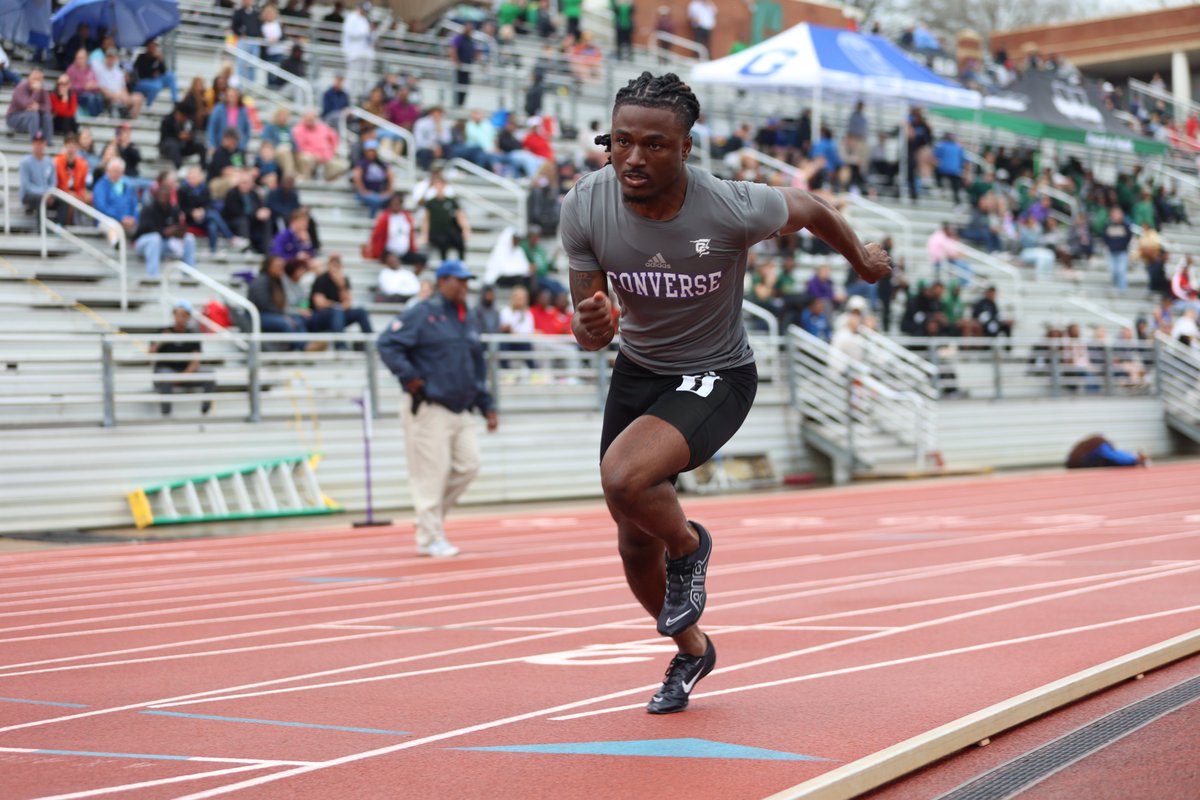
(444, 224)
(113, 83)
(189, 365)
(402, 111)
(83, 82)
(541, 263)
(245, 213)
(535, 140)
(37, 176)
(71, 176)
(821, 285)
(513, 154)
(1080, 243)
(394, 238)
(1143, 212)
(433, 137)
(64, 105)
(316, 146)
(335, 16)
(114, 196)
(267, 167)
(1032, 249)
(298, 276)
(273, 44)
(29, 108)
(294, 64)
(195, 104)
(247, 27)
(229, 114)
(919, 139)
(548, 318)
(283, 201)
(332, 303)
(951, 158)
(848, 339)
(227, 162)
(267, 294)
(96, 54)
(123, 147)
(177, 139)
(372, 179)
(987, 314)
(151, 76)
(294, 242)
(279, 133)
(943, 249)
(702, 16)
(463, 52)
(815, 319)
(162, 229)
(1185, 328)
(1117, 236)
(826, 148)
(196, 203)
(358, 48)
(1096, 451)
(543, 203)
(334, 100)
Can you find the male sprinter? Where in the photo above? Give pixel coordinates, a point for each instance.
(671, 241)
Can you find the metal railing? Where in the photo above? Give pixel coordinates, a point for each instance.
(891, 217)
(408, 160)
(515, 216)
(1182, 107)
(996, 271)
(1178, 382)
(1006, 367)
(897, 366)
(657, 39)
(1094, 308)
(5, 186)
(119, 264)
(302, 86)
(1064, 198)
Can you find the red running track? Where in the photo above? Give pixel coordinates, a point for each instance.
(337, 664)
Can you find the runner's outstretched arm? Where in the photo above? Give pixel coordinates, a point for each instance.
(806, 210)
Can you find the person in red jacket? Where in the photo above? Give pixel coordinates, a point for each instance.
(395, 239)
(71, 174)
(64, 105)
(535, 140)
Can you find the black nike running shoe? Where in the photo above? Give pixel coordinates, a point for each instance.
(683, 674)
(685, 598)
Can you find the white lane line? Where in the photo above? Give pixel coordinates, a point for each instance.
(127, 787)
(408, 745)
(217, 698)
(907, 660)
(258, 762)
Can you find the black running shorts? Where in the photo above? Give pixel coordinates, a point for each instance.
(707, 408)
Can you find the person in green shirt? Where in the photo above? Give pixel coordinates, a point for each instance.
(541, 263)
(622, 11)
(572, 11)
(982, 184)
(507, 13)
(1143, 211)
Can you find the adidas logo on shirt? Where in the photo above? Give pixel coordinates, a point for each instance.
(657, 262)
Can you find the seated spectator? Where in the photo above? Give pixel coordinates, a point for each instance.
(162, 229)
(6, 73)
(37, 177)
(29, 109)
(513, 155)
(113, 83)
(267, 167)
(815, 319)
(64, 106)
(83, 82)
(592, 155)
(177, 139)
(548, 317)
(1080, 240)
(283, 200)
(517, 319)
(586, 59)
(332, 303)
(943, 248)
(97, 53)
(543, 203)
(334, 100)
(189, 364)
(227, 163)
(397, 282)
(987, 314)
(372, 179)
(151, 76)
(848, 340)
(279, 133)
(821, 285)
(297, 281)
(245, 213)
(293, 242)
(433, 137)
(402, 111)
(535, 140)
(485, 311)
(316, 146)
(444, 224)
(267, 294)
(81, 39)
(123, 147)
(541, 263)
(71, 172)
(1096, 451)
(114, 196)
(229, 114)
(195, 104)
(195, 201)
(394, 236)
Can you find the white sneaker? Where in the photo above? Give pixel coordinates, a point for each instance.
(239, 244)
(439, 549)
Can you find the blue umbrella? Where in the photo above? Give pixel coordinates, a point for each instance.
(134, 21)
(25, 22)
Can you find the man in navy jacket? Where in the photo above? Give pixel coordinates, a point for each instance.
(434, 348)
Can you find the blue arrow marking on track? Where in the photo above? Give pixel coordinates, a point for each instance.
(654, 748)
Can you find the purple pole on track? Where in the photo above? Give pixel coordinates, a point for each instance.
(365, 405)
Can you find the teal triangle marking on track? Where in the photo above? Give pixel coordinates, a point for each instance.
(653, 748)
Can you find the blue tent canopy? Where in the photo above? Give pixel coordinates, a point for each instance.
(25, 22)
(134, 21)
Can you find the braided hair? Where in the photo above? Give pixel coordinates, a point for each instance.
(657, 91)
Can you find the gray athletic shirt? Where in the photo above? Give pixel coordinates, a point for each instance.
(680, 281)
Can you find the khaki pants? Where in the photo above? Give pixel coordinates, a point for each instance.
(443, 459)
(286, 159)
(334, 168)
(219, 187)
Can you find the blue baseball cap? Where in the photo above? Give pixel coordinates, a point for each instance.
(453, 268)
